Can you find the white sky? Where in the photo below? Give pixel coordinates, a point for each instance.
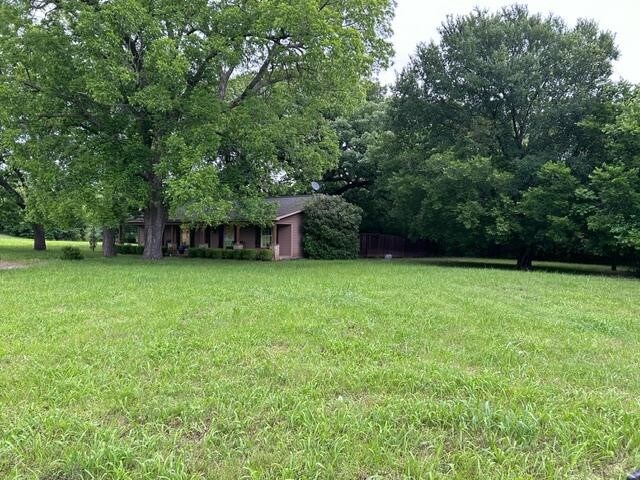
(418, 21)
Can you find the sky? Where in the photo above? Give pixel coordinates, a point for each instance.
(418, 21)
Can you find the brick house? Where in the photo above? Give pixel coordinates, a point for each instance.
(284, 236)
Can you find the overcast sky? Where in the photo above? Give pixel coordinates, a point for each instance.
(418, 21)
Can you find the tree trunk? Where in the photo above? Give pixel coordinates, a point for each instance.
(109, 242)
(39, 240)
(525, 259)
(155, 218)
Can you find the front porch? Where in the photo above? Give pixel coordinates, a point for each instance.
(279, 238)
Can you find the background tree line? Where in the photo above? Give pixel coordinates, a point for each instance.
(507, 137)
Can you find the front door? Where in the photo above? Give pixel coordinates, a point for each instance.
(284, 240)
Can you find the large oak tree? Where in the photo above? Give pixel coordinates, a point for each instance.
(195, 96)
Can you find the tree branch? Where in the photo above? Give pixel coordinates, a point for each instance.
(255, 82)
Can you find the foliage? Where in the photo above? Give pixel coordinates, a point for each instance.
(510, 105)
(360, 137)
(230, 254)
(93, 238)
(331, 228)
(71, 253)
(613, 209)
(547, 207)
(129, 249)
(264, 255)
(248, 254)
(459, 195)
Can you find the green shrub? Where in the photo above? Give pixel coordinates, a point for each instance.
(127, 249)
(227, 254)
(215, 253)
(331, 228)
(264, 254)
(194, 252)
(248, 254)
(71, 253)
(237, 254)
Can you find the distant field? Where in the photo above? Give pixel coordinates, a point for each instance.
(189, 369)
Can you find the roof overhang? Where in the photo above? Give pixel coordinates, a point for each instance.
(282, 217)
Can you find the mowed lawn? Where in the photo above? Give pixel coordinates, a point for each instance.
(339, 370)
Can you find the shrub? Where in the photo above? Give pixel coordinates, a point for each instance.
(227, 254)
(237, 253)
(248, 254)
(215, 253)
(128, 249)
(71, 253)
(195, 252)
(264, 255)
(331, 228)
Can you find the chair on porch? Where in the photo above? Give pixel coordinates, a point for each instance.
(171, 249)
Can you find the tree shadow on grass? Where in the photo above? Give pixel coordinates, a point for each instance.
(539, 266)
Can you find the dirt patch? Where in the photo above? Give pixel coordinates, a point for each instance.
(11, 265)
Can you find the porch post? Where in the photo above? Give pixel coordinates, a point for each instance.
(236, 236)
(274, 242)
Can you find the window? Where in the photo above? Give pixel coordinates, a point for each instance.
(265, 238)
(229, 237)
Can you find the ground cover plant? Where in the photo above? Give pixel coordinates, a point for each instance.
(196, 368)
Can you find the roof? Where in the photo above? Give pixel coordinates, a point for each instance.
(288, 206)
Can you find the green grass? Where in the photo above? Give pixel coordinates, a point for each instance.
(194, 368)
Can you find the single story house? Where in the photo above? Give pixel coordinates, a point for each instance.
(284, 236)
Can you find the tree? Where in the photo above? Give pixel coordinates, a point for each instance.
(331, 228)
(360, 136)
(197, 91)
(611, 199)
(513, 88)
(546, 209)
(613, 211)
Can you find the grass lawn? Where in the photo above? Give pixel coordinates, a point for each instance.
(351, 370)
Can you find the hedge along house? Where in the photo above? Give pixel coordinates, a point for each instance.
(284, 236)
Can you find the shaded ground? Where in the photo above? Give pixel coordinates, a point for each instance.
(539, 266)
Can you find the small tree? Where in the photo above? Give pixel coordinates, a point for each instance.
(331, 228)
(93, 238)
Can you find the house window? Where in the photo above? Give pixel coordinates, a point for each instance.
(265, 238)
(229, 237)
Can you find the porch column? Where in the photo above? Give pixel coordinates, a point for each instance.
(274, 242)
(236, 236)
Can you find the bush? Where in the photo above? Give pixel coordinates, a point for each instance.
(194, 252)
(264, 255)
(227, 254)
(331, 228)
(127, 249)
(248, 254)
(237, 253)
(71, 253)
(215, 253)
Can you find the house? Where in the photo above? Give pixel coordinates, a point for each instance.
(284, 236)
